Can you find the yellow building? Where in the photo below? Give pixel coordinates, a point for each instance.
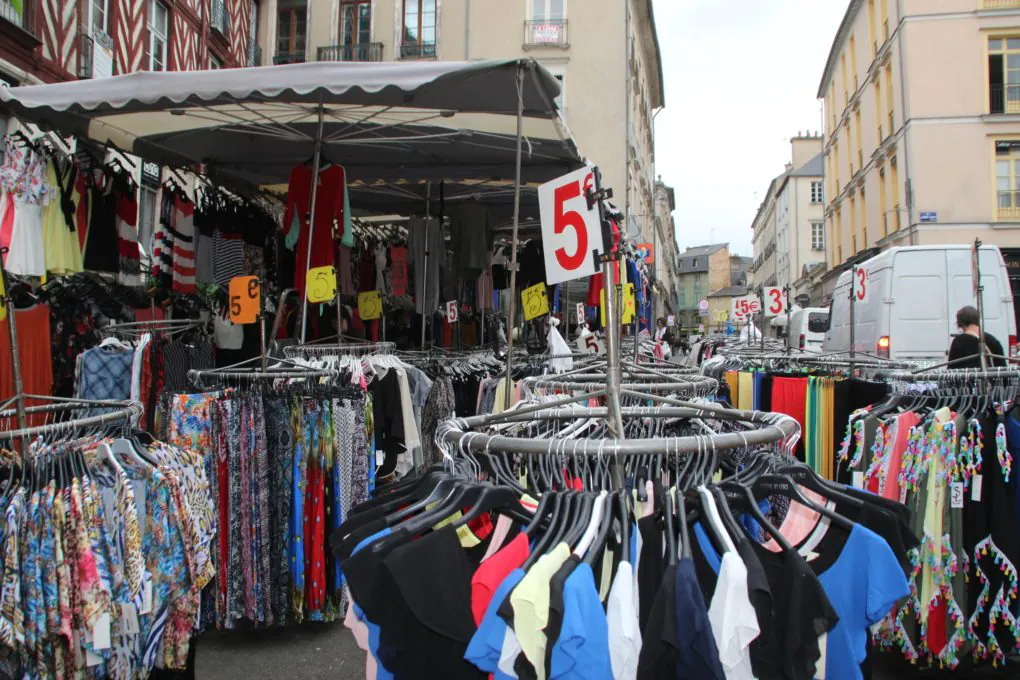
(605, 54)
(922, 121)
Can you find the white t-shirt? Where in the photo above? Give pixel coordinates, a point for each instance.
(624, 630)
(734, 623)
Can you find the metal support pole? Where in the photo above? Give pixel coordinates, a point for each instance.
(339, 314)
(761, 319)
(511, 319)
(786, 291)
(636, 326)
(316, 160)
(980, 290)
(853, 310)
(426, 316)
(19, 386)
(613, 372)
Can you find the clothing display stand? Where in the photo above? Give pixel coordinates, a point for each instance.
(512, 312)
(243, 372)
(12, 331)
(313, 350)
(136, 329)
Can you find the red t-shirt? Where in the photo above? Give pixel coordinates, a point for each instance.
(492, 572)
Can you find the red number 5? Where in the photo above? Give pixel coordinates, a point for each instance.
(574, 220)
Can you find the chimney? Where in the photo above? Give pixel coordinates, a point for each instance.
(804, 147)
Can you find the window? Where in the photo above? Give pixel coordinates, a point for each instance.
(883, 202)
(215, 62)
(878, 110)
(871, 28)
(817, 236)
(419, 39)
(890, 100)
(98, 16)
(894, 192)
(1007, 179)
(1004, 75)
(864, 219)
(694, 263)
(290, 33)
(356, 23)
(817, 194)
(548, 10)
(158, 22)
(253, 37)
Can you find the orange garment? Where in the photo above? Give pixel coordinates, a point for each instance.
(34, 351)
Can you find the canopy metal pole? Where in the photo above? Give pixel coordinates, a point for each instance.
(511, 319)
(426, 316)
(613, 374)
(19, 386)
(980, 291)
(853, 312)
(316, 160)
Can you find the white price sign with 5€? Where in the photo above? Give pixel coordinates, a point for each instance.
(570, 229)
(742, 307)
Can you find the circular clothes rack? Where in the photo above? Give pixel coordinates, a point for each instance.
(61, 410)
(311, 350)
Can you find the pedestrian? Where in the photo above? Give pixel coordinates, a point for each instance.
(966, 348)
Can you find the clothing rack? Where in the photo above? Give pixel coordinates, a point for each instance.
(242, 372)
(310, 350)
(115, 412)
(135, 329)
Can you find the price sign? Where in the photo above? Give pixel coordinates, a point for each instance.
(582, 315)
(534, 301)
(3, 303)
(701, 328)
(245, 297)
(369, 305)
(860, 284)
(590, 343)
(452, 314)
(629, 305)
(775, 302)
(570, 229)
(743, 307)
(320, 284)
(671, 320)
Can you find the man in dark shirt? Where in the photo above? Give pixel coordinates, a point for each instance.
(966, 348)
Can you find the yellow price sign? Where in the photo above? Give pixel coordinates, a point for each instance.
(320, 284)
(535, 302)
(369, 305)
(245, 296)
(629, 305)
(3, 300)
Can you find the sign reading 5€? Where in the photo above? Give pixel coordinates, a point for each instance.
(535, 302)
(570, 229)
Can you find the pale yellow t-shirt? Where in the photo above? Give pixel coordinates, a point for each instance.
(530, 600)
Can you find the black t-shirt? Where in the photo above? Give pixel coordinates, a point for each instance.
(389, 420)
(966, 345)
(422, 604)
(658, 658)
(651, 566)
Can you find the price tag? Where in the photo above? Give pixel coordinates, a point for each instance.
(3, 302)
(245, 299)
(858, 479)
(903, 494)
(743, 307)
(452, 313)
(369, 305)
(956, 495)
(775, 302)
(861, 284)
(629, 305)
(582, 315)
(975, 487)
(320, 284)
(534, 301)
(590, 343)
(570, 229)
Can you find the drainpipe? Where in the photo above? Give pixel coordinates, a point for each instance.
(909, 194)
(467, 30)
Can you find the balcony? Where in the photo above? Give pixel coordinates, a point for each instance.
(357, 52)
(219, 18)
(418, 50)
(1000, 4)
(96, 59)
(545, 33)
(1004, 98)
(1009, 206)
(288, 58)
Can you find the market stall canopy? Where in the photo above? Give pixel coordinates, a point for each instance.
(382, 121)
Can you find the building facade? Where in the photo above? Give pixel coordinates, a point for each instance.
(701, 270)
(788, 230)
(666, 252)
(53, 40)
(922, 119)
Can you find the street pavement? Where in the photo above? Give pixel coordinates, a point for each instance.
(307, 652)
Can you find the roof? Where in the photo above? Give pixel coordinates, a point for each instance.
(729, 291)
(704, 250)
(813, 168)
(837, 43)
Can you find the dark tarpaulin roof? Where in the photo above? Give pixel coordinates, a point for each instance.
(382, 121)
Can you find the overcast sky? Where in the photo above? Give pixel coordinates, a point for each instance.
(741, 78)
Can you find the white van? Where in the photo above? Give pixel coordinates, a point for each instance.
(911, 298)
(807, 328)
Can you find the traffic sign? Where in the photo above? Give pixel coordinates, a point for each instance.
(703, 305)
(743, 307)
(369, 305)
(670, 320)
(570, 229)
(775, 301)
(245, 296)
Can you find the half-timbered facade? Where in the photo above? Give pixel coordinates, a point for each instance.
(54, 40)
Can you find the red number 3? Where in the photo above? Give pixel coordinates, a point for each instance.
(862, 283)
(777, 301)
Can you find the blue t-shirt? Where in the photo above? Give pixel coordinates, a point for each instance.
(373, 630)
(487, 642)
(582, 650)
(862, 585)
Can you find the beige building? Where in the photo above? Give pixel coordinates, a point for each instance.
(604, 52)
(788, 228)
(922, 119)
(667, 252)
